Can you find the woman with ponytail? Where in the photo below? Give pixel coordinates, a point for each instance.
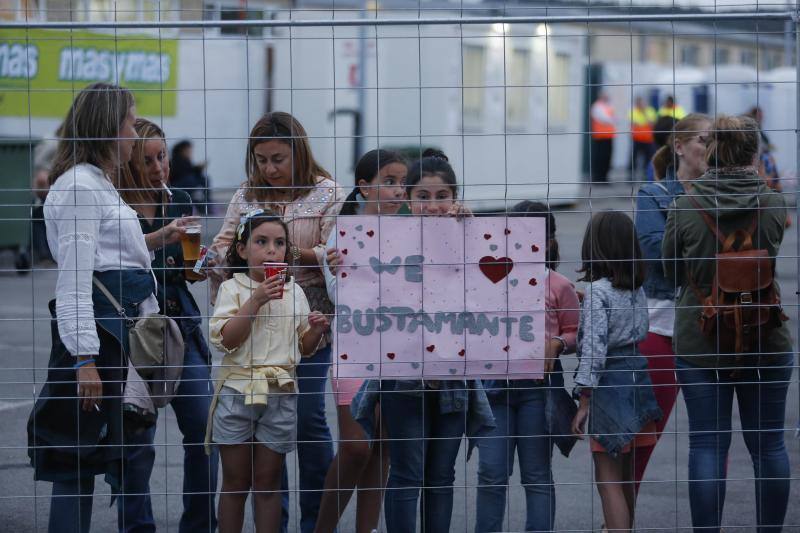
(678, 162)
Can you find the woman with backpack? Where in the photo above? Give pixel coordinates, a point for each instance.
(719, 247)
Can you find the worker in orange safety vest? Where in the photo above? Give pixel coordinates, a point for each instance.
(643, 117)
(603, 132)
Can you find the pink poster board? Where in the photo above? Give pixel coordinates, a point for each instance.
(440, 298)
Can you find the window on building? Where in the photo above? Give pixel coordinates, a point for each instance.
(474, 81)
(748, 56)
(518, 78)
(29, 10)
(723, 56)
(771, 60)
(690, 54)
(125, 10)
(558, 92)
(235, 12)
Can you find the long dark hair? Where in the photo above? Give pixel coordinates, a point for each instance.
(527, 208)
(234, 261)
(611, 250)
(432, 163)
(367, 169)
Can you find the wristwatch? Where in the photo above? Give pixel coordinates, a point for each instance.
(295, 251)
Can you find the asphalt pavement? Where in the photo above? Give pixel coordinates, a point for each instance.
(663, 502)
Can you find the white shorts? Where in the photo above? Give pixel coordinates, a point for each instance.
(274, 425)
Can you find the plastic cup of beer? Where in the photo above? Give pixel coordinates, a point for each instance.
(274, 269)
(190, 244)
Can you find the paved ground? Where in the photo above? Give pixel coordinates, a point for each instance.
(663, 505)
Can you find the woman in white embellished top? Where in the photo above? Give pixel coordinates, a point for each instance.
(75, 428)
(284, 177)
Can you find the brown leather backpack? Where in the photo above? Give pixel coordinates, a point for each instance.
(744, 304)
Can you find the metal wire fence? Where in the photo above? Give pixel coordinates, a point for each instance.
(561, 103)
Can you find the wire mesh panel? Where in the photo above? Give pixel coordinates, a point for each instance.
(431, 266)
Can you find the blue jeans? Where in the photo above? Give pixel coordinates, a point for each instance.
(424, 444)
(191, 404)
(314, 441)
(761, 394)
(519, 412)
(71, 506)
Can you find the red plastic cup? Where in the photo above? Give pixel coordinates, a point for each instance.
(274, 269)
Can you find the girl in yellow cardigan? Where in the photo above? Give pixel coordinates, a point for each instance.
(264, 326)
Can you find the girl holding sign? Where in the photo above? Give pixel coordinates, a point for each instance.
(426, 420)
(380, 190)
(263, 325)
(519, 408)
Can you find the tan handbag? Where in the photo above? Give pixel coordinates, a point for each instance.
(155, 350)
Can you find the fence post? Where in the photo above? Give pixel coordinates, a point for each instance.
(796, 25)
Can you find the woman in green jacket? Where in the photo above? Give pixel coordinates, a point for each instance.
(732, 194)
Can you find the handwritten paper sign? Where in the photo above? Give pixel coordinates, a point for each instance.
(440, 298)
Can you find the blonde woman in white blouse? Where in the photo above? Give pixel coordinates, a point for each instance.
(91, 232)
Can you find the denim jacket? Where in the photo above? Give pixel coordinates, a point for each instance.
(623, 402)
(652, 206)
(454, 397)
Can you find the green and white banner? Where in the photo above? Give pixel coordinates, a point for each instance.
(42, 70)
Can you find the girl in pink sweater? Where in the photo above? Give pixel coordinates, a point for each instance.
(519, 405)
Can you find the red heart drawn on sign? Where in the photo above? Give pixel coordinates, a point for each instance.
(342, 233)
(344, 274)
(344, 356)
(370, 233)
(431, 348)
(487, 236)
(507, 231)
(495, 268)
(390, 355)
(532, 282)
(506, 348)
(462, 353)
(344, 251)
(534, 248)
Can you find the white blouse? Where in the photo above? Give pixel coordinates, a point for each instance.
(89, 228)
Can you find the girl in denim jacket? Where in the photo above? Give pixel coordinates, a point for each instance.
(615, 390)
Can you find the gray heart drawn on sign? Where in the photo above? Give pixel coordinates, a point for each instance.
(359, 227)
(517, 246)
(514, 282)
(493, 247)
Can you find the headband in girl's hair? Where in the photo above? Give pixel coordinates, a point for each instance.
(243, 220)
